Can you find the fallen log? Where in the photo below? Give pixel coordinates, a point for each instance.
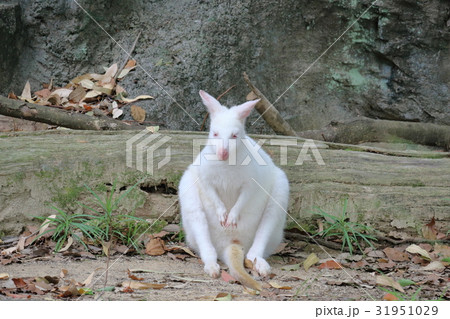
(370, 130)
(55, 116)
(388, 193)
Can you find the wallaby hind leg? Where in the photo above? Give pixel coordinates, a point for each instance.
(270, 230)
(195, 224)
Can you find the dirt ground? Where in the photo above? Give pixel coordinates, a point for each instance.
(185, 279)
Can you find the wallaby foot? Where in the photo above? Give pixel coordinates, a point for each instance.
(212, 269)
(260, 265)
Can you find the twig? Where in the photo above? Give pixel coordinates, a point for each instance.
(13, 241)
(410, 240)
(128, 56)
(332, 245)
(218, 98)
(314, 240)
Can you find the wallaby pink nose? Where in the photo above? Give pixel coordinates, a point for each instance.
(222, 154)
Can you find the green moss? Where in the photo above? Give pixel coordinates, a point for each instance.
(69, 195)
(418, 184)
(48, 174)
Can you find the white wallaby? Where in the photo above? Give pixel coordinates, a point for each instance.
(233, 204)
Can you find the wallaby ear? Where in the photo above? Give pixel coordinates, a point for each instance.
(211, 103)
(244, 109)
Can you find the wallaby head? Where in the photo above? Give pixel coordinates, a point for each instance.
(226, 123)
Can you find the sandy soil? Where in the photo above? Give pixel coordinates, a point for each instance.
(185, 280)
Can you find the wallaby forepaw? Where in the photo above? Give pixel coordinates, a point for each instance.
(222, 215)
(231, 220)
(212, 269)
(261, 266)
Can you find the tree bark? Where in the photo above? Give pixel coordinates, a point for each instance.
(370, 130)
(269, 113)
(55, 116)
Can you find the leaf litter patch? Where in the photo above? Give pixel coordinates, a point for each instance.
(400, 272)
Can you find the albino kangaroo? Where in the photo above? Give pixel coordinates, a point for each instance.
(229, 210)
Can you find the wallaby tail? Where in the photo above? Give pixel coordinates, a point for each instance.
(235, 262)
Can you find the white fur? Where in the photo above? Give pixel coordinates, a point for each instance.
(221, 203)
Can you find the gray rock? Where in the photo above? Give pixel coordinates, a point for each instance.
(392, 64)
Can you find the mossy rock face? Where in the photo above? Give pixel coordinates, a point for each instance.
(393, 63)
(53, 167)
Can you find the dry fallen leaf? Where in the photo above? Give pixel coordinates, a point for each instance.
(395, 254)
(138, 113)
(109, 74)
(43, 94)
(251, 96)
(4, 276)
(442, 250)
(184, 249)
(69, 243)
(278, 286)
(390, 297)
(69, 291)
(359, 264)
(21, 243)
(311, 260)
(223, 296)
(19, 282)
(26, 92)
(62, 93)
(429, 230)
(116, 113)
(435, 265)
(330, 264)
(63, 273)
(125, 71)
(386, 281)
(88, 280)
(77, 95)
(92, 94)
(11, 95)
(140, 97)
(386, 264)
(83, 77)
(227, 277)
(155, 247)
(46, 223)
(42, 283)
(130, 64)
(141, 285)
(133, 277)
(87, 84)
(8, 251)
(414, 249)
(152, 129)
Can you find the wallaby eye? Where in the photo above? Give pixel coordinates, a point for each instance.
(215, 134)
(233, 135)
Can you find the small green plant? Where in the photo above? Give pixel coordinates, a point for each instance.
(123, 228)
(65, 225)
(350, 232)
(101, 226)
